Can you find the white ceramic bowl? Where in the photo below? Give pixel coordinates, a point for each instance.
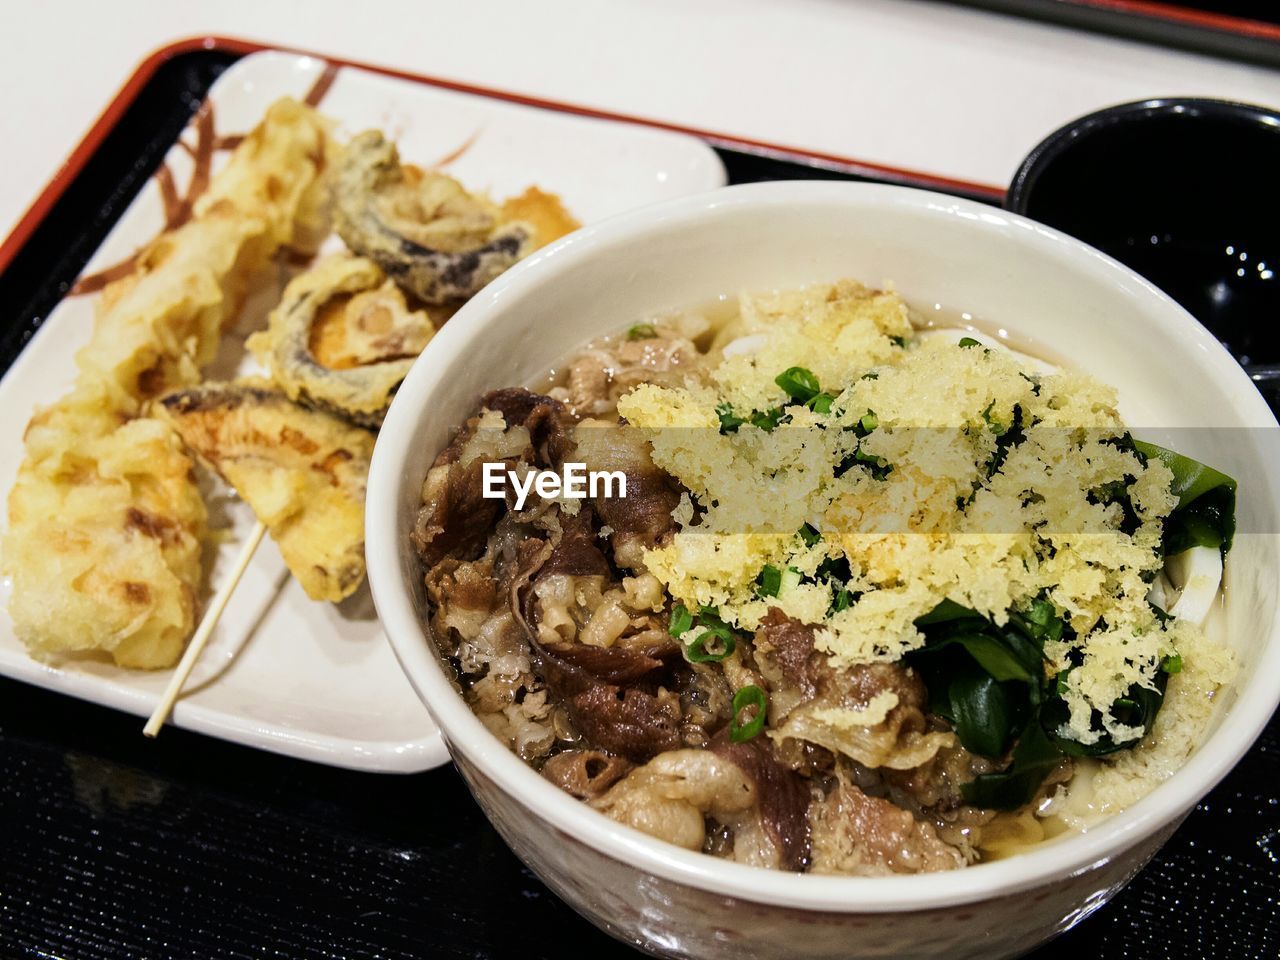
(1070, 300)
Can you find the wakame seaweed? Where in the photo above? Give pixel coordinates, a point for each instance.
(991, 683)
(1206, 512)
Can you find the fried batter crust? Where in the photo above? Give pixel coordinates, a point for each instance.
(105, 523)
(302, 471)
(438, 241)
(343, 339)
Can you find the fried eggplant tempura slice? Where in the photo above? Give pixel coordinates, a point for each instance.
(425, 230)
(342, 339)
(302, 471)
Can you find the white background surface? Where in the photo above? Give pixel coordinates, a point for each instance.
(910, 83)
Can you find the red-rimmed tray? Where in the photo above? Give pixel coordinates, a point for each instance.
(146, 71)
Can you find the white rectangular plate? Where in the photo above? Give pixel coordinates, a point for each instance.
(283, 673)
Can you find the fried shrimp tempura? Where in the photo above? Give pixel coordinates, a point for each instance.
(105, 523)
(302, 471)
(158, 326)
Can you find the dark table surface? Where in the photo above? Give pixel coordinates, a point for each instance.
(114, 846)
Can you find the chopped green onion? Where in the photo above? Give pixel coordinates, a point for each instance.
(769, 582)
(791, 578)
(767, 420)
(800, 384)
(716, 641)
(822, 403)
(729, 421)
(878, 467)
(1172, 663)
(869, 422)
(698, 651)
(642, 331)
(809, 534)
(994, 425)
(967, 342)
(744, 699)
(842, 601)
(681, 620)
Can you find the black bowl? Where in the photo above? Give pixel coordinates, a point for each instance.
(1187, 193)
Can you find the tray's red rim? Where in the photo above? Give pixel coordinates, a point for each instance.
(72, 166)
(75, 162)
(1222, 22)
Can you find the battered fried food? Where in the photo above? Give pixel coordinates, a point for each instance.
(342, 339)
(302, 471)
(105, 523)
(425, 230)
(159, 325)
(544, 212)
(104, 536)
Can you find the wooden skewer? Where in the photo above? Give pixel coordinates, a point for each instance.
(201, 636)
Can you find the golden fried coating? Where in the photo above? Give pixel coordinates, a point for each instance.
(103, 543)
(104, 538)
(159, 325)
(302, 471)
(423, 228)
(543, 211)
(342, 339)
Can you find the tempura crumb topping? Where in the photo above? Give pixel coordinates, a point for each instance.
(969, 478)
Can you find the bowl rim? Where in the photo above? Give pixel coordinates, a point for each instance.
(1256, 697)
(1044, 153)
